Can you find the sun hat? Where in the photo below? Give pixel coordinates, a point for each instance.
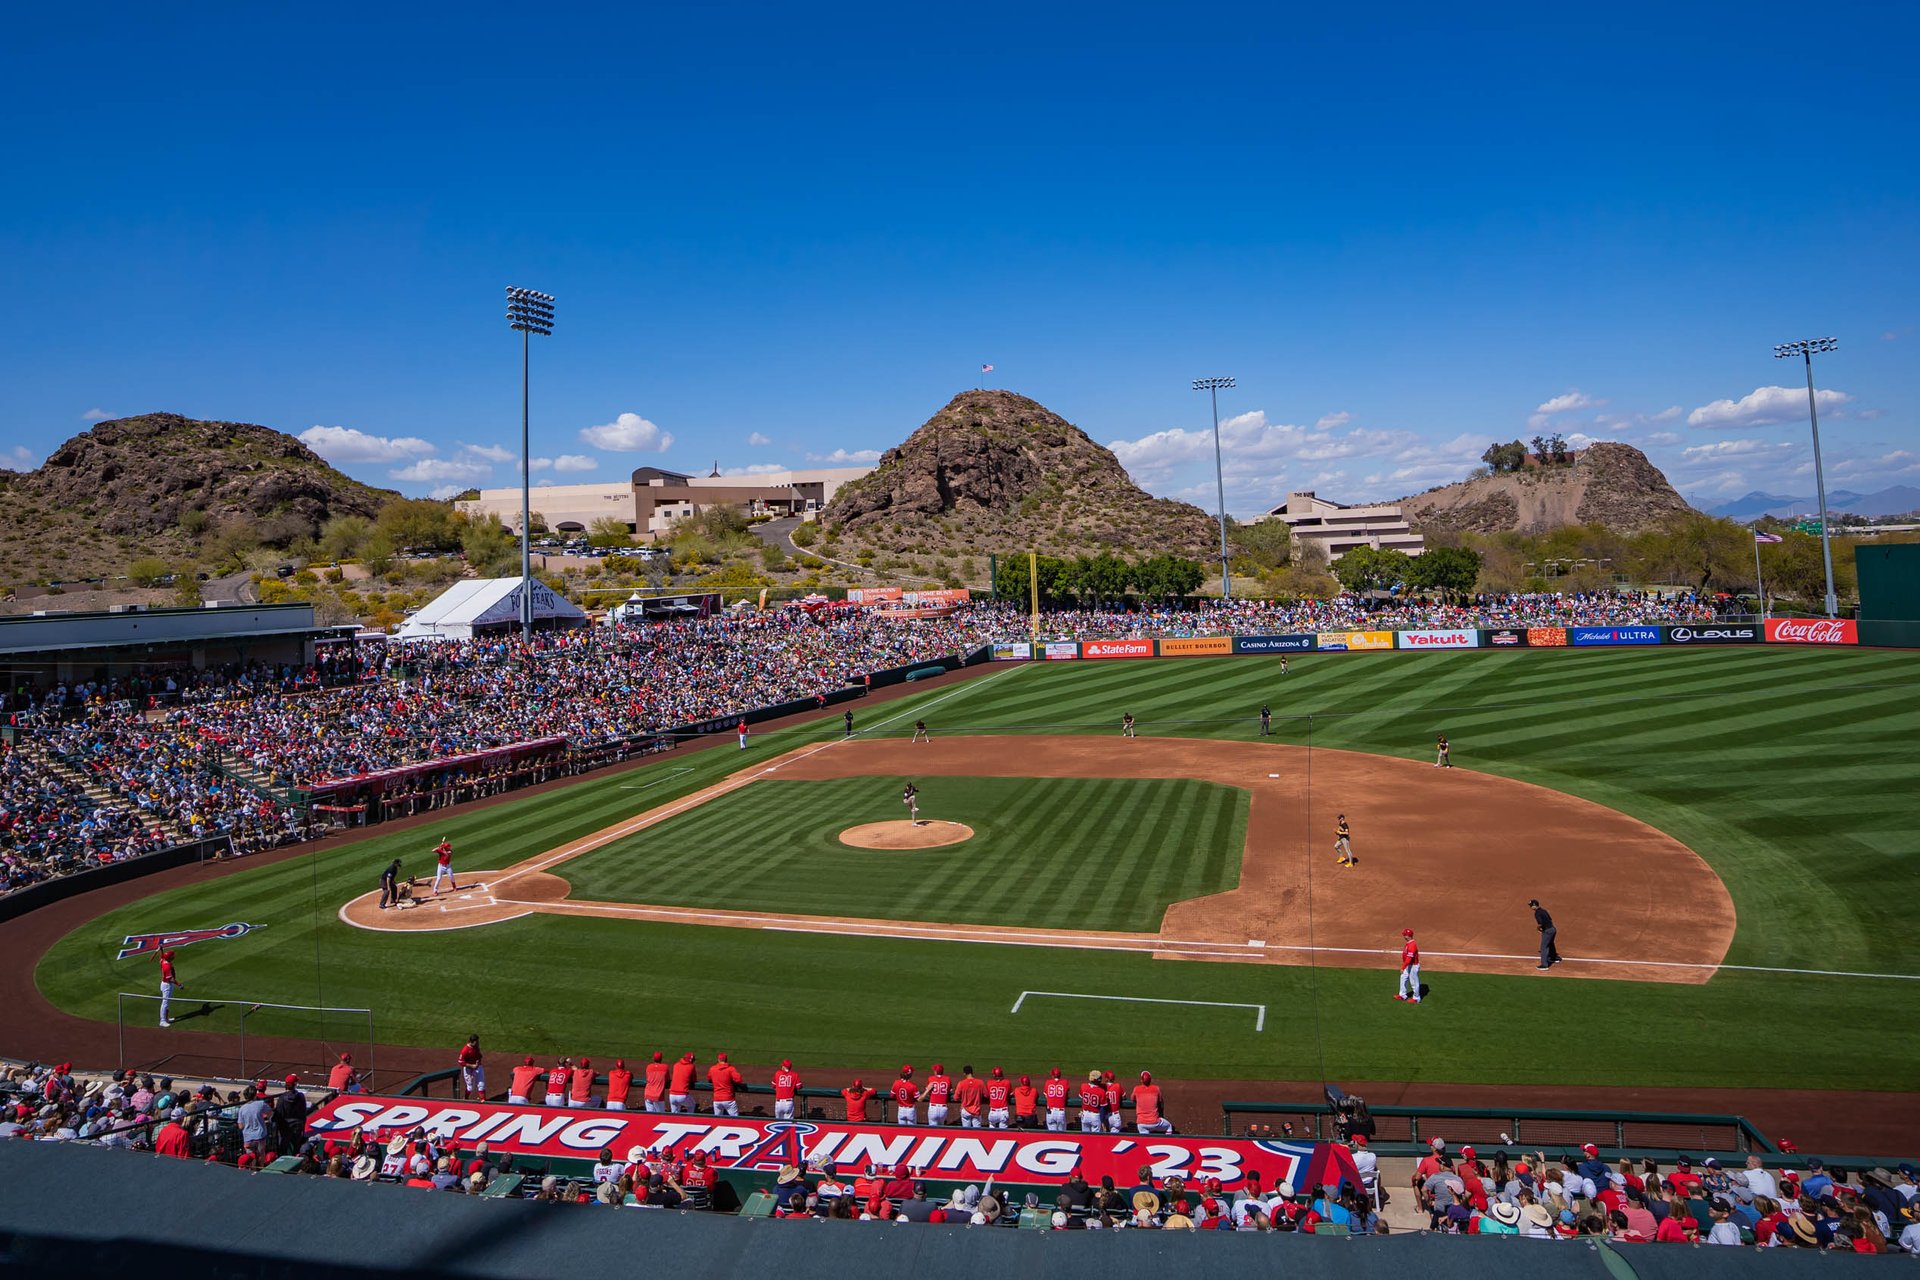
(1538, 1215)
(1505, 1211)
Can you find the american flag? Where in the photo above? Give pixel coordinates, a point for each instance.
(986, 368)
(1767, 537)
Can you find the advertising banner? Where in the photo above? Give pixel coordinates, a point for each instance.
(1505, 638)
(872, 595)
(1116, 649)
(1270, 644)
(1812, 631)
(1196, 646)
(1061, 650)
(752, 1144)
(1547, 637)
(1011, 651)
(1715, 633)
(1459, 639)
(1590, 636)
(1355, 640)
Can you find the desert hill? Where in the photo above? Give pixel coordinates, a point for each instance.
(1607, 483)
(995, 471)
(148, 485)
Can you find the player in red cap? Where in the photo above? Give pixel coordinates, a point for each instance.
(725, 1079)
(970, 1093)
(1116, 1102)
(443, 865)
(1093, 1101)
(656, 1091)
(1055, 1092)
(521, 1088)
(558, 1078)
(619, 1085)
(473, 1075)
(1026, 1104)
(341, 1079)
(1147, 1117)
(169, 980)
(1409, 969)
(680, 1085)
(786, 1086)
(999, 1093)
(939, 1089)
(906, 1096)
(857, 1096)
(581, 1095)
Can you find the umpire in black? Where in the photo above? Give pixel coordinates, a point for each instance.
(390, 884)
(1549, 953)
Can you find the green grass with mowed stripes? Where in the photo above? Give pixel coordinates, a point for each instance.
(1791, 770)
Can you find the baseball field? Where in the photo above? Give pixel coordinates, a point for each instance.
(1726, 838)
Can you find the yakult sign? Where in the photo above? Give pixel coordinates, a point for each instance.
(1812, 631)
(1467, 639)
(961, 1155)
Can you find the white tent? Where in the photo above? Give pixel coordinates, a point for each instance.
(477, 605)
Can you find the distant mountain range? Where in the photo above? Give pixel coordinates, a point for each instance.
(1895, 501)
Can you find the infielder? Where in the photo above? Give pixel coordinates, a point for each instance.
(1409, 969)
(939, 1089)
(1444, 759)
(911, 798)
(1126, 725)
(169, 980)
(443, 865)
(906, 1095)
(920, 733)
(1343, 842)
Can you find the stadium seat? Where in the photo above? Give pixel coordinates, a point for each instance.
(760, 1204)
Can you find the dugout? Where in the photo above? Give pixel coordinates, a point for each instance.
(1889, 581)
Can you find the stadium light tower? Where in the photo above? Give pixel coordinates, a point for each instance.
(1806, 349)
(1213, 387)
(530, 312)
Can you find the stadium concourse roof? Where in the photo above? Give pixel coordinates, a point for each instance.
(468, 608)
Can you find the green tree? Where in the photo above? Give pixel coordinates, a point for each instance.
(1505, 457)
(1451, 571)
(1372, 568)
(419, 524)
(229, 545)
(608, 531)
(805, 534)
(377, 554)
(1264, 544)
(147, 571)
(343, 536)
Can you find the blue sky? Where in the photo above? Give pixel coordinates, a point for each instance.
(780, 237)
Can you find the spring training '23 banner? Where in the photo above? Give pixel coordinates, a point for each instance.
(945, 1154)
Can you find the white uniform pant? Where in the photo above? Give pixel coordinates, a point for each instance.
(997, 1118)
(656, 1105)
(1410, 982)
(616, 1106)
(166, 1000)
(679, 1103)
(969, 1119)
(1089, 1121)
(443, 869)
(1056, 1120)
(936, 1113)
(783, 1108)
(1162, 1125)
(728, 1108)
(555, 1100)
(1115, 1120)
(903, 1115)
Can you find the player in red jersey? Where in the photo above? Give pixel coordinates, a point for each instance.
(1116, 1099)
(342, 1078)
(557, 1081)
(1093, 1101)
(521, 1088)
(656, 1094)
(971, 1094)
(906, 1095)
(1146, 1107)
(169, 982)
(680, 1085)
(581, 1094)
(939, 1089)
(1026, 1104)
(786, 1087)
(619, 1085)
(1055, 1093)
(1409, 969)
(473, 1076)
(999, 1094)
(443, 865)
(725, 1079)
(857, 1096)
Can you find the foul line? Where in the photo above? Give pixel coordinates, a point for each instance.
(665, 777)
(1259, 1021)
(1650, 964)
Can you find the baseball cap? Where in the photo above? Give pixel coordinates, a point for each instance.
(1054, 1074)
(1026, 1080)
(586, 1062)
(620, 1064)
(785, 1063)
(1590, 1149)
(660, 1057)
(937, 1068)
(528, 1061)
(720, 1057)
(292, 1081)
(1146, 1077)
(1466, 1153)
(1406, 933)
(998, 1073)
(906, 1070)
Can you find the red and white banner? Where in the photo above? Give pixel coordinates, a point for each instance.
(1062, 650)
(748, 1144)
(1116, 648)
(1812, 631)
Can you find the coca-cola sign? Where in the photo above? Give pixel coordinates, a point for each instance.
(1714, 633)
(1812, 631)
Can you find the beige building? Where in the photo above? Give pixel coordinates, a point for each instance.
(1338, 529)
(653, 498)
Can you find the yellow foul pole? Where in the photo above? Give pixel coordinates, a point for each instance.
(1033, 586)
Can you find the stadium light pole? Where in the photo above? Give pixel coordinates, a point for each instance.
(531, 312)
(1806, 349)
(1212, 386)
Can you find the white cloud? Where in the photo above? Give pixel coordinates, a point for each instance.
(1726, 449)
(349, 444)
(844, 458)
(1566, 403)
(533, 464)
(1764, 406)
(1332, 420)
(19, 458)
(575, 462)
(441, 492)
(1668, 414)
(491, 452)
(628, 433)
(1662, 437)
(428, 470)
(95, 415)
(754, 469)
(756, 439)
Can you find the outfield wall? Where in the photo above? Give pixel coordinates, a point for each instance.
(1798, 631)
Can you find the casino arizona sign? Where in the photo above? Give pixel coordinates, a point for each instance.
(753, 1145)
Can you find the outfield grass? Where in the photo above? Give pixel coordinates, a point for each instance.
(1105, 853)
(1790, 770)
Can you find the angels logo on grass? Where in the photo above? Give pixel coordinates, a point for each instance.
(148, 944)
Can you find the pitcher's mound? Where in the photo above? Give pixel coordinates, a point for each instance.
(905, 835)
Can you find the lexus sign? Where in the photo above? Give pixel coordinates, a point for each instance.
(1715, 633)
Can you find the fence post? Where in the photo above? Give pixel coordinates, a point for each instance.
(1620, 1133)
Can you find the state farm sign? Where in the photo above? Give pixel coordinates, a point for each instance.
(1467, 639)
(1812, 631)
(1116, 649)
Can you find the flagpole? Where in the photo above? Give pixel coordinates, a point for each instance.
(1759, 587)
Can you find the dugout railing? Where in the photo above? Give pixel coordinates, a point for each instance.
(1399, 1130)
